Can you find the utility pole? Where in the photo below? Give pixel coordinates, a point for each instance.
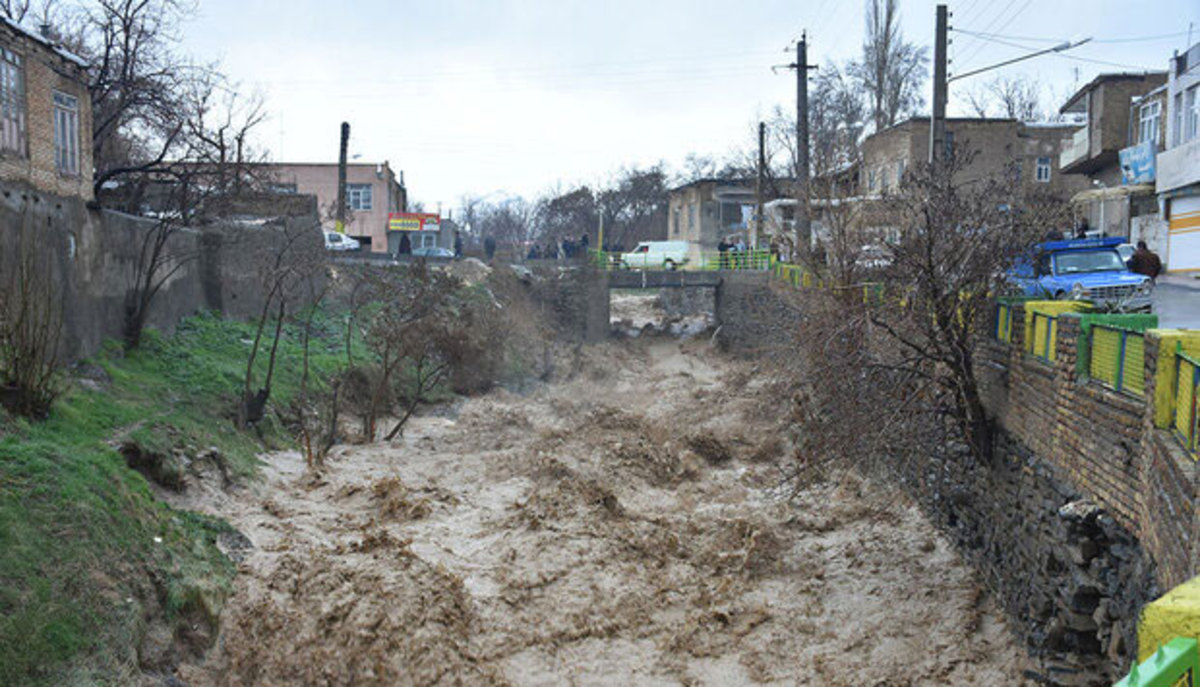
(341, 190)
(937, 122)
(758, 191)
(803, 221)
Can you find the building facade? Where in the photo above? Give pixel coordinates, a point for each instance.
(1178, 165)
(997, 147)
(1117, 110)
(373, 192)
(45, 114)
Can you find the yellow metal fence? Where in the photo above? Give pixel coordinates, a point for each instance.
(1045, 337)
(1184, 416)
(1118, 359)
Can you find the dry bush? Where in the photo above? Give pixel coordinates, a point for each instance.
(31, 321)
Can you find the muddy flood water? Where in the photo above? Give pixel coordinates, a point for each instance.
(623, 525)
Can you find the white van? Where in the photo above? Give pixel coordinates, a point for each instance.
(656, 255)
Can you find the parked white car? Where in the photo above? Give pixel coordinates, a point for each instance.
(336, 241)
(656, 255)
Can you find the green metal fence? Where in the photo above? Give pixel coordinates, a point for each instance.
(1118, 358)
(1175, 665)
(746, 260)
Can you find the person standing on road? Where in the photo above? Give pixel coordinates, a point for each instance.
(1145, 261)
(722, 251)
(489, 247)
(405, 244)
(458, 245)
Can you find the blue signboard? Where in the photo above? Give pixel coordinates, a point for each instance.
(1137, 163)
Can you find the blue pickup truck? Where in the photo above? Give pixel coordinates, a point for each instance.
(1083, 269)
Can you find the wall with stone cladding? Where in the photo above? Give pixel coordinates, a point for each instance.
(753, 316)
(1070, 578)
(574, 300)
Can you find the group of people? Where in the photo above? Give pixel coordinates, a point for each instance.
(565, 249)
(730, 253)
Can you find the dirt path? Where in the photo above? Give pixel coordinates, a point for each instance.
(621, 527)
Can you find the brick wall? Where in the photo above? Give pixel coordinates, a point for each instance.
(1103, 444)
(47, 71)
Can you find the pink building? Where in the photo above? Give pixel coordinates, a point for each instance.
(372, 191)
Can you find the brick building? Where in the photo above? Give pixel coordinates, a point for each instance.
(999, 146)
(45, 114)
(1178, 165)
(1109, 107)
(372, 192)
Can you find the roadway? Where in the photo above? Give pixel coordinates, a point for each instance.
(1177, 302)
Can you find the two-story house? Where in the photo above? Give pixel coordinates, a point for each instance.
(45, 114)
(373, 192)
(1107, 107)
(994, 148)
(1177, 179)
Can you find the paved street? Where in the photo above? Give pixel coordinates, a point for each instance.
(1177, 302)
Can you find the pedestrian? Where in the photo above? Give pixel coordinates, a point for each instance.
(458, 246)
(1081, 231)
(583, 244)
(535, 252)
(723, 254)
(1145, 261)
(405, 244)
(489, 247)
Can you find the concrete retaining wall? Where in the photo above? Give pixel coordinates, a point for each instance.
(94, 256)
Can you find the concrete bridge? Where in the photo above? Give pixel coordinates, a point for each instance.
(663, 279)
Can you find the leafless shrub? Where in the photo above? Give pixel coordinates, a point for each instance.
(290, 258)
(31, 320)
(891, 372)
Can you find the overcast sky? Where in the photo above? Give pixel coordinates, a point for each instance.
(493, 97)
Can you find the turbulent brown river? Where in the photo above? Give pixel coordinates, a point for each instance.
(623, 525)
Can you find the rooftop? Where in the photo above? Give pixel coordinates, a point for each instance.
(38, 37)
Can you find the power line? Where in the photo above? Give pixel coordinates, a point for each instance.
(1064, 55)
(990, 24)
(1047, 39)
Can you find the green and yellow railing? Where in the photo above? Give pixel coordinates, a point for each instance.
(1118, 356)
(1184, 418)
(747, 260)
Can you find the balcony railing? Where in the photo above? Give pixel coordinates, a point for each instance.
(1076, 150)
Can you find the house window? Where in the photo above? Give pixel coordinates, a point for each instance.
(1148, 122)
(1042, 172)
(871, 180)
(358, 196)
(675, 222)
(691, 217)
(1192, 113)
(66, 133)
(900, 172)
(12, 103)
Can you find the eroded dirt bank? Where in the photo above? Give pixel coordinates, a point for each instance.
(623, 526)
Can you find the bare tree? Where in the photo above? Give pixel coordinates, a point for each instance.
(955, 240)
(138, 76)
(891, 70)
(402, 298)
(216, 163)
(288, 257)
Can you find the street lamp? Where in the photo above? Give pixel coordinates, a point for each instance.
(1061, 47)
